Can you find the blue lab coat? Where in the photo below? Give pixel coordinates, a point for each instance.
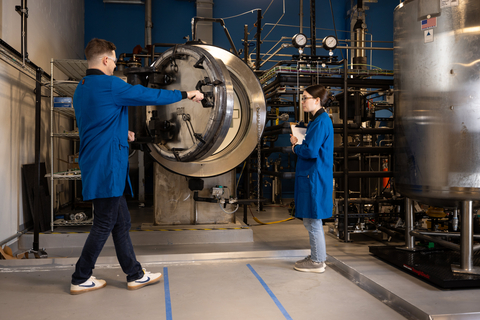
(314, 170)
(101, 109)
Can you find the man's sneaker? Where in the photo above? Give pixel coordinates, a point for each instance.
(308, 265)
(148, 278)
(89, 285)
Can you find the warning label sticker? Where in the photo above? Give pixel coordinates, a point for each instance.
(448, 3)
(428, 35)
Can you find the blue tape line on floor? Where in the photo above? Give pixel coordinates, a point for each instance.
(168, 302)
(277, 302)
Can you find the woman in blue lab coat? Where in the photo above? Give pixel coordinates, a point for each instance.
(314, 176)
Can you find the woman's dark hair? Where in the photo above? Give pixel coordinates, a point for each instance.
(319, 91)
(98, 47)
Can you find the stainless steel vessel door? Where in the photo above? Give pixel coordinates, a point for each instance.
(213, 138)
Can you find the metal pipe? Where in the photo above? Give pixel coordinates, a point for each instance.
(37, 187)
(392, 233)
(301, 16)
(446, 234)
(148, 30)
(364, 48)
(195, 213)
(276, 127)
(371, 51)
(337, 129)
(345, 149)
(365, 149)
(313, 35)
(15, 236)
(274, 189)
(409, 219)
(229, 39)
(283, 175)
(372, 201)
(455, 220)
(266, 151)
(52, 184)
(259, 31)
(23, 12)
(441, 242)
(222, 23)
(152, 53)
(359, 40)
(466, 237)
(8, 59)
(283, 46)
(148, 22)
(246, 187)
(372, 131)
(379, 41)
(364, 174)
(358, 54)
(277, 132)
(279, 42)
(24, 31)
(245, 44)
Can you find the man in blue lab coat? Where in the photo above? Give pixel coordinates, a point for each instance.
(101, 103)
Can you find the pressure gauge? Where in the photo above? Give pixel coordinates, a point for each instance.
(299, 40)
(329, 43)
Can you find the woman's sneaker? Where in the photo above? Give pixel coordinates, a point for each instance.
(91, 284)
(303, 260)
(148, 278)
(308, 265)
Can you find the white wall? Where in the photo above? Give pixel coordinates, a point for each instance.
(55, 30)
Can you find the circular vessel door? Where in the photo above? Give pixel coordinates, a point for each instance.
(195, 129)
(211, 138)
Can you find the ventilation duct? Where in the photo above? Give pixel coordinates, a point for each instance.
(205, 28)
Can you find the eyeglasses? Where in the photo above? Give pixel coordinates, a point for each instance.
(114, 60)
(305, 98)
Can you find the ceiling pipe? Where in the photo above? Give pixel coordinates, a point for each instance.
(23, 12)
(148, 23)
(301, 16)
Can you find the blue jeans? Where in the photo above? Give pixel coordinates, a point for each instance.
(111, 216)
(317, 239)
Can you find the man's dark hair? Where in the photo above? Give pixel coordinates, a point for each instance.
(98, 47)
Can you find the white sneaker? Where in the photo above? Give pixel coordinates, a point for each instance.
(91, 284)
(148, 278)
(308, 265)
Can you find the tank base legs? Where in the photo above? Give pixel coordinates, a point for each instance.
(456, 268)
(409, 219)
(466, 242)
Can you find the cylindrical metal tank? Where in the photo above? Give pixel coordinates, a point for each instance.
(437, 113)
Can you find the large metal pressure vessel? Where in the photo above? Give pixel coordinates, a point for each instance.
(208, 139)
(437, 114)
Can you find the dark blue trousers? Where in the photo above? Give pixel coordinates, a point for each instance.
(111, 216)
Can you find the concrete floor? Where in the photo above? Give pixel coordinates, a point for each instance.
(240, 280)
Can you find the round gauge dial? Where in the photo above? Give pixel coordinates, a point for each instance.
(299, 40)
(329, 43)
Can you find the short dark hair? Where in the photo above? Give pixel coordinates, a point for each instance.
(98, 47)
(319, 91)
